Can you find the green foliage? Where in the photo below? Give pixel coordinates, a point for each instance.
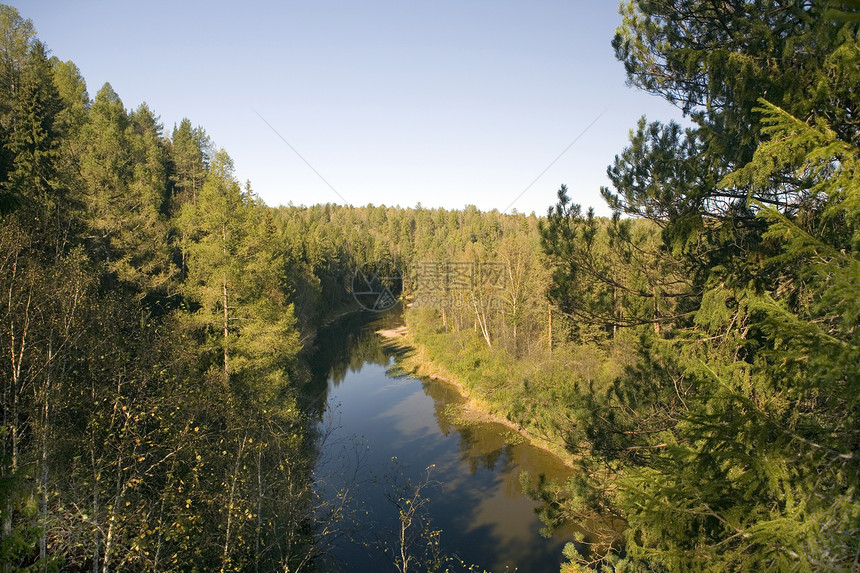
(191, 152)
(33, 141)
(698, 359)
(730, 443)
(611, 274)
(122, 446)
(16, 44)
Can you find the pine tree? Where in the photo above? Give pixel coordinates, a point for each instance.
(733, 438)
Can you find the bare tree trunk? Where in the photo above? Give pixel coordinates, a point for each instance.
(513, 263)
(95, 517)
(44, 477)
(17, 350)
(405, 522)
(259, 509)
(112, 518)
(157, 557)
(656, 313)
(481, 318)
(226, 326)
(230, 503)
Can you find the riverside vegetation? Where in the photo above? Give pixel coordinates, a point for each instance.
(695, 355)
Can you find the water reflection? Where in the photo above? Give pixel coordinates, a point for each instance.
(478, 502)
(340, 349)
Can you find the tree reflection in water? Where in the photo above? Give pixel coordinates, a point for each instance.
(478, 504)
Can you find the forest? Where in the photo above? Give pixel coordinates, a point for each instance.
(696, 354)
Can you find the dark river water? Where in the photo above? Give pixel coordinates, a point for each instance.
(380, 431)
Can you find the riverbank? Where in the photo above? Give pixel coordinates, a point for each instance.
(416, 360)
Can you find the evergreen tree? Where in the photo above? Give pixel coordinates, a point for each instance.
(123, 165)
(234, 277)
(731, 438)
(33, 145)
(16, 40)
(190, 154)
(216, 226)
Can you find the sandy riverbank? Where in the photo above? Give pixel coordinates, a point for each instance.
(474, 409)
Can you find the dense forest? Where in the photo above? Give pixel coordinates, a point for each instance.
(705, 370)
(155, 320)
(696, 354)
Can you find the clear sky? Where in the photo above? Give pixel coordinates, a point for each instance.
(442, 102)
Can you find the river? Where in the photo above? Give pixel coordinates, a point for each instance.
(379, 428)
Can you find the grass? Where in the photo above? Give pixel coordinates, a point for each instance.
(534, 395)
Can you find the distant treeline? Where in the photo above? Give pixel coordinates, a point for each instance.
(153, 316)
(697, 352)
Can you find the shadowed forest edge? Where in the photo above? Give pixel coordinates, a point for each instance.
(695, 354)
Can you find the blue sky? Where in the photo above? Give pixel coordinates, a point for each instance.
(446, 103)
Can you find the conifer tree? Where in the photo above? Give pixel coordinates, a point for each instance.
(190, 154)
(124, 168)
(216, 225)
(33, 143)
(15, 43)
(731, 436)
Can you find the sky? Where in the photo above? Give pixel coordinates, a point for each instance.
(445, 103)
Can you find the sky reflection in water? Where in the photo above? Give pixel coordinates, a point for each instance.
(477, 501)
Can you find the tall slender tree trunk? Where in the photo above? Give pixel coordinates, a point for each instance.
(481, 318)
(656, 313)
(230, 503)
(225, 300)
(44, 477)
(226, 326)
(259, 509)
(95, 517)
(111, 522)
(18, 347)
(14, 414)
